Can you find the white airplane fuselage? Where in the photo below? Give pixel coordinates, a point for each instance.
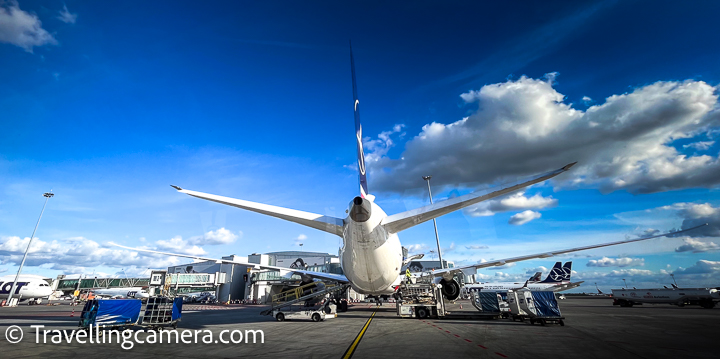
(370, 256)
(28, 287)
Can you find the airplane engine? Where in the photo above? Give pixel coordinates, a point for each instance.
(450, 289)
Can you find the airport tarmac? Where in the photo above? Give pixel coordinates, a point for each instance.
(593, 329)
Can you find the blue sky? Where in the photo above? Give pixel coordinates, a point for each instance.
(109, 103)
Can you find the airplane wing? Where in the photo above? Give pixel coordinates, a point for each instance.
(320, 275)
(449, 272)
(324, 223)
(405, 220)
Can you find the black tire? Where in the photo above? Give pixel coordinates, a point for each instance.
(562, 323)
(543, 322)
(280, 317)
(315, 317)
(532, 321)
(422, 312)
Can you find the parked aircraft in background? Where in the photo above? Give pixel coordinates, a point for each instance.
(122, 293)
(371, 255)
(29, 286)
(557, 280)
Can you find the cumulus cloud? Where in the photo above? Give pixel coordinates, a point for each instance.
(514, 202)
(524, 127)
(695, 214)
(217, 237)
(523, 217)
(697, 246)
(477, 247)
(532, 271)
(299, 240)
(700, 145)
(701, 267)
(180, 246)
(77, 254)
(616, 262)
(66, 16)
(417, 248)
(21, 28)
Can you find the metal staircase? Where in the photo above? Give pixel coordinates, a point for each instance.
(302, 293)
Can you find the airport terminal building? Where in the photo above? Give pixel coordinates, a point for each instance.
(237, 281)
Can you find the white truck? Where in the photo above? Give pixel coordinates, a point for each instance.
(704, 297)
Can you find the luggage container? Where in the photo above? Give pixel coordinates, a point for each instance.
(516, 310)
(540, 306)
(110, 313)
(487, 302)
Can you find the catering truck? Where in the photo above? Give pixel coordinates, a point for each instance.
(704, 297)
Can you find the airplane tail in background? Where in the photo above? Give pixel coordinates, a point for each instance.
(536, 277)
(358, 131)
(559, 274)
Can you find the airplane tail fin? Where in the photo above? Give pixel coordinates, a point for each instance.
(358, 131)
(556, 274)
(567, 269)
(536, 277)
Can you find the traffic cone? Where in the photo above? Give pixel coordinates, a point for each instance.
(73, 313)
(460, 305)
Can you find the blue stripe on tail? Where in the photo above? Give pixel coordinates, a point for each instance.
(358, 130)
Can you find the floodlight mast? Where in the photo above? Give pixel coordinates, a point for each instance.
(47, 196)
(437, 238)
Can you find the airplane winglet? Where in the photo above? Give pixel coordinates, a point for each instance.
(176, 187)
(567, 167)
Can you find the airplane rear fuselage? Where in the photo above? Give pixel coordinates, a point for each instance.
(370, 257)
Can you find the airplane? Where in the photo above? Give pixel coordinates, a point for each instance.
(536, 277)
(29, 286)
(122, 293)
(557, 280)
(371, 255)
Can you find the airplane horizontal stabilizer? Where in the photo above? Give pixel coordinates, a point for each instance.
(405, 220)
(320, 275)
(324, 223)
(449, 272)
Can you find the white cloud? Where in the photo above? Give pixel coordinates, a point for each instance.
(66, 16)
(700, 145)
(477, 247)
(417, 248)
(77, 255)
(21, 28)
(697, 246)
(180, 246)
(701, 267)
(220, 236)
(695, 214)
(514, 202)
(524, 127)
(523, 217)
(299, 239)
(532, 271)
(616, 262)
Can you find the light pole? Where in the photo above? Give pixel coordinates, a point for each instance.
(625, 283)
(47, 196)
(437, 238)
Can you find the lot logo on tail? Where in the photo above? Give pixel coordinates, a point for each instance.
(559, 274)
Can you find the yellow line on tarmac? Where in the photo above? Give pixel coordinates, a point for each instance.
(351, 349)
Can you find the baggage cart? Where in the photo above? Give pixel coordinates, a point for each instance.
(161, 312)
